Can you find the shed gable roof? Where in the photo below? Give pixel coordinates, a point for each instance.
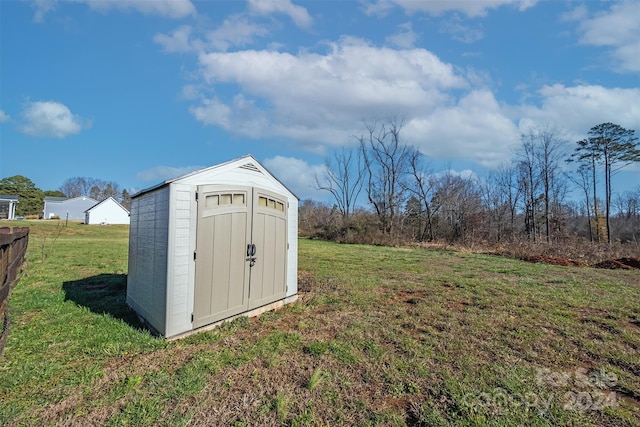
(248, 163)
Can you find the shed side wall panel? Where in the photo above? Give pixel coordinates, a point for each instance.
(147, 278)
(182, 234)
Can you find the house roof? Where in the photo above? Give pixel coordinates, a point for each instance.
(52, 199)
(248, 166)
(8, 197)
(107, 200)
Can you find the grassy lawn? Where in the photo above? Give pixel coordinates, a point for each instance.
(380, 336)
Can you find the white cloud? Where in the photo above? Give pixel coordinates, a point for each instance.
(4, 117)
(379, 8)
(236, 30)
(471, 8)
(297, 175)
(42, 7)
(616, 28)
(51, 119)
(241, 116)
(163, 173)
(301, 96)
(318, 100)
(191, 92)
(461, 32)
(578, 13)
(405, 37)
(166, 8)
(463, 174)
(582, 107)
(476, 128)
(298, 14)
(179, 41)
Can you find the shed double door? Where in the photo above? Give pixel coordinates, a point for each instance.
(241, 251)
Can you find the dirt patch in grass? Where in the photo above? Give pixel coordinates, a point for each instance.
(620, 263)
(626, 263)
(566, 262)
(635, 323)
(411, 297)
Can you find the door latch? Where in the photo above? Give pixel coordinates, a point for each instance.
(251, 251)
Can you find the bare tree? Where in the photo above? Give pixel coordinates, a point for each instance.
(460, 201)
(77, 186)
(92, 187)
(529, 183)
(498, 209)
(386, 161)
(543, 150)
(582, 180)
(423, 189)
(507, 184)
(551, 152)
(344, 179)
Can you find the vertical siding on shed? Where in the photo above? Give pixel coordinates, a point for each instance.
(147, 277)
(182, 233)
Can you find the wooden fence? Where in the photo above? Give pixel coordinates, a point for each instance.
(13, 248)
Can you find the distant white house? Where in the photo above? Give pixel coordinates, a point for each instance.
(8, 206)
(63, 208)
(108, 211)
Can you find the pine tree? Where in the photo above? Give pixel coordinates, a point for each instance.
(29, 196)
(612, 147)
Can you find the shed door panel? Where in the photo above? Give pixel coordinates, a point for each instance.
(222, 273)
(269, 232)
(228, 280)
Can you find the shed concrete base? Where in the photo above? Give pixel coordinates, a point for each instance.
(253, 313)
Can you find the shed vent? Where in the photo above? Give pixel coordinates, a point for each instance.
(250, 166)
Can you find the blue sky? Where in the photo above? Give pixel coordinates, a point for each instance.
(138, 91)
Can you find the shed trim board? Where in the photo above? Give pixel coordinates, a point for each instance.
(178, 281)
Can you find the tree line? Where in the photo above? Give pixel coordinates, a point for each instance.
(31, 198)
(526, 198)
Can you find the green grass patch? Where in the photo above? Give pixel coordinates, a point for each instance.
(380, 336)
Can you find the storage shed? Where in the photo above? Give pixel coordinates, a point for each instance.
(212, 245)
(108, 211)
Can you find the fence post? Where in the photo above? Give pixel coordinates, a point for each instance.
(13, 248)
